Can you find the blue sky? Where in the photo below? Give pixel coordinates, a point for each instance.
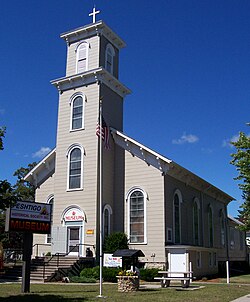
(187, 63)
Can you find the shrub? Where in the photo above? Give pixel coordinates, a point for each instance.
(115, 241)
(90, 272)
(148, 274)
(108, 273)
(76, 279)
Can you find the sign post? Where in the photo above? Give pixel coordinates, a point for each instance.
(28, 217)
(27, 252)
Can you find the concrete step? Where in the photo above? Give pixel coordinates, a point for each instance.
(46, 269)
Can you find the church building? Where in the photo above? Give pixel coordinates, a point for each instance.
(172, 215)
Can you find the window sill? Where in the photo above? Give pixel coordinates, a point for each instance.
(73, 190)
(76, 130)
(138, 243)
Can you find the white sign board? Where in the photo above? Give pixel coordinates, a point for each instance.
(31, 211)
(73, 214)
(110, 261)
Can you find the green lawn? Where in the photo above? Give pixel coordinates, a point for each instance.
(243, 279)
(59, 292)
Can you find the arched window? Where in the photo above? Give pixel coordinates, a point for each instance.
(77, 112)
(210, 227)
(107, 212)
(137, 216)
(222, 228)
(109, 58)
(177, 216)
(50, 201)
(196, 221)
(75, 168)
(82, 57)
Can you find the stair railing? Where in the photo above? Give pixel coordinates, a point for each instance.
(59, 255)
(36, 247)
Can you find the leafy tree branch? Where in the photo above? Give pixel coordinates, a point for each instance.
(241, 160)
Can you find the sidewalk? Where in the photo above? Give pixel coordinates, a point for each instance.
(243, 299)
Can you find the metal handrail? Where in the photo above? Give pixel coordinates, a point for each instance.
(37, 247)
(63, 254)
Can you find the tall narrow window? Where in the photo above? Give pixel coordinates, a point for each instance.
(75, 168)
(82, 57)
(107, 212)
(137, 217)
(51, 201)
(109, 58)
(241, 234)
(196, 222)
(210, 227)
(77, 113)
(232, 238)
(222, 228)
(198, 259)
(177, 218)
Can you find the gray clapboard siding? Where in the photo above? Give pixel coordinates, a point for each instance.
(137, 173)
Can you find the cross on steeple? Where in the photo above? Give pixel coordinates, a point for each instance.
(94, 12)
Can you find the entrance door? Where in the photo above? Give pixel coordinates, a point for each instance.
(74, 240)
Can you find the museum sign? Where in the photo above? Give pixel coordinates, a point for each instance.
(31, 217)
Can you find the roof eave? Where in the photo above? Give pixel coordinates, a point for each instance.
(97, 28)
(168, 166)
(35, 176)
(96, 75)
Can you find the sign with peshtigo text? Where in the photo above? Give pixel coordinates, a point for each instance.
(30, 217)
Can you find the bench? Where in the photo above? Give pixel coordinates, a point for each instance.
(184, 277)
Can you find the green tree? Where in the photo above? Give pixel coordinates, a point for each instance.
(24, 190)
(7, 195)
(241, 160)
(2, 134)
(115, 241)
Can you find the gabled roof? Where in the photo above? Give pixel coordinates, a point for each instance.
(44, 169)
(235, 220)
(167, 166)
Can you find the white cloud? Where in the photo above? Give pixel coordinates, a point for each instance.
(41, 153)
(185, 138)
(227, 142)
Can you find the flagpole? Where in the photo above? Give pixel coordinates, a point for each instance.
(100, 192)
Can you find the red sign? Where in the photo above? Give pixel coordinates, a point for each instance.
(29, 226)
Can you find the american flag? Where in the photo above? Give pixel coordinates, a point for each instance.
(104, 133)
